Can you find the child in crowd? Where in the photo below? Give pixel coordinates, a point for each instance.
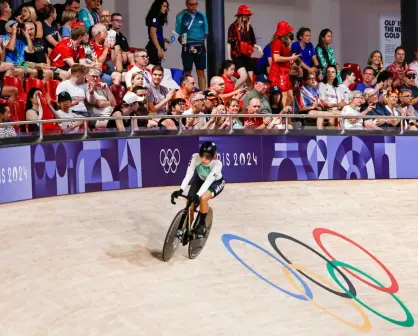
(64, 103)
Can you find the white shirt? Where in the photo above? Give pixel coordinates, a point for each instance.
(209, 173)
(414, 66)
(134, 69)
(349, 111)
(329, 93)
(100, 94)
(75, 91)
(344, 92)
(64, 115)
(200, 123)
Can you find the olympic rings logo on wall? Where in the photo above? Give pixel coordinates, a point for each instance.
(294, 272)
(170, 160)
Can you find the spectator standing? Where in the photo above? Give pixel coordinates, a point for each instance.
(304, 47)
(226, 71)
(90, 15)
(399, 67)
(241, 44)
(283, 60)
(192, 28)
(368, 80)
(155, 21)
(325, 53)
(5, 115)
(141, 61)
(69, 17)
(260, 88)
(186, 89)
(264, 63)
(5, 14)
(50, 29)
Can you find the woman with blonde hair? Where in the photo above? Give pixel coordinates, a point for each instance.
(137, 80)
(241, 44)
(68, 18)
(217, 122)
(28, 14)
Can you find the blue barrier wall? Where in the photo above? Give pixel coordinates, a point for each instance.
(63, 168)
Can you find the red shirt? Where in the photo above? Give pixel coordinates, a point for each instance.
(257, 121)
(278, 48)
(229, 85)
(99, 49)
(397, 71)
(64, 50)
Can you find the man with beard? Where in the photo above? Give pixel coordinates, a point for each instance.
(5, 115)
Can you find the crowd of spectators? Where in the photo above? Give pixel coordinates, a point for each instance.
(98, 74)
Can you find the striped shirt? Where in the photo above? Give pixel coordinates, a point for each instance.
(7, 132)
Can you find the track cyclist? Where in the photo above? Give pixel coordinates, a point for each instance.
(205, 171)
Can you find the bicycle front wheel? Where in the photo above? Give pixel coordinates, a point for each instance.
(196, 245)
(172, 241)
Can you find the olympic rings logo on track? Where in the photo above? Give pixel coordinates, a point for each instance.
(292, 272)
(169, 160)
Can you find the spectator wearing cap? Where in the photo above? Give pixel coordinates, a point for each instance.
(259, 91)
(69, 51)
(16, 47)
(409, 84)
(241, 44)
(64, 104)
(39, 6)
(69, 17)
(5, 14)
(325, 53)
(155, 21)
(142, 110)
(197, 101)
(304, 47)
(72, 5)
(5, 115)
(127, 108)
(283, 61)
(192, 28)
(187, 84)
(398, 68)
(90, 15)
(276, 103)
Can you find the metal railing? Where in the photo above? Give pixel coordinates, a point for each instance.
(288, 117)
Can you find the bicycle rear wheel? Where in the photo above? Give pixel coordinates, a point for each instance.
(196, 245)
(171, 241)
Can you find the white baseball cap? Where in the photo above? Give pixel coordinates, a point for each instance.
(131, 98)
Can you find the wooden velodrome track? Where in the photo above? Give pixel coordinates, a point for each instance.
(89, 264)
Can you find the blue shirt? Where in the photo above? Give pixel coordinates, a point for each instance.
(198, 28)
(16, 56)
(362, 87)
(306, 54)
(156, 23)
(65, 31)
(264, 61)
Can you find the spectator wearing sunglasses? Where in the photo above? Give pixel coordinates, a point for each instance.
(409, 84)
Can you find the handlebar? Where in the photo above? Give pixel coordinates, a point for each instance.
(172, 198)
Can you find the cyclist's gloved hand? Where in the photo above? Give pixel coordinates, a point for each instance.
(196, 200)
(177, 193)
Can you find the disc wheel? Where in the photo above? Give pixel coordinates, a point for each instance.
(196, 245)
(172, 241)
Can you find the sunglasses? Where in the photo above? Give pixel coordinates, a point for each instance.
(411, 76)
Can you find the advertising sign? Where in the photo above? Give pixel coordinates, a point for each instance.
(165, 160)
(241, 157)
(15, 174)
(390, 37)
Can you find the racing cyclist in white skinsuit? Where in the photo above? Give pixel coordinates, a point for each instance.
(205, 171)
